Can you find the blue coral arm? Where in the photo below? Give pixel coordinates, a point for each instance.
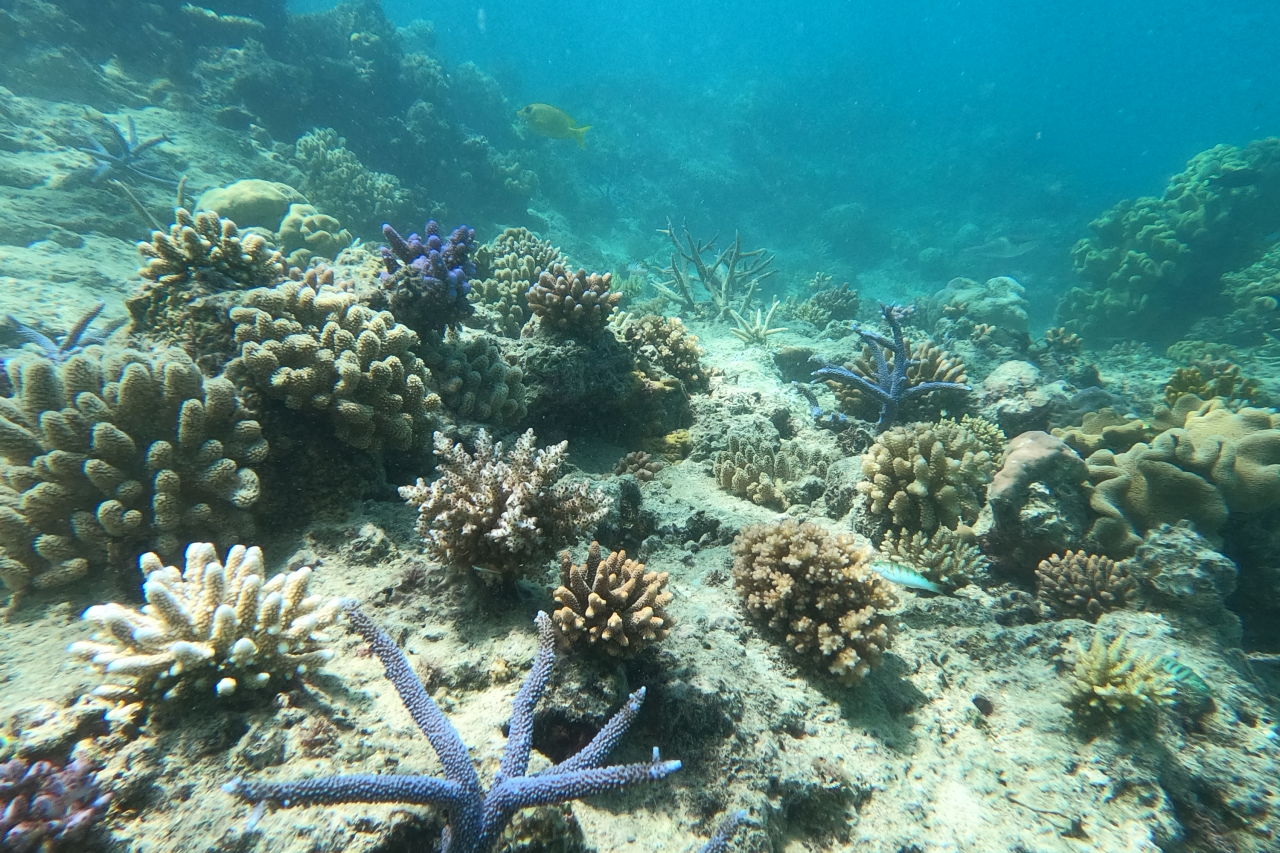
(719, 842)
(521, 792)
(426, 713)
(595, 752)
(515, 759)
(353, 788)
(926, 387)
(72, 339)
(32, 336)
(842, 374)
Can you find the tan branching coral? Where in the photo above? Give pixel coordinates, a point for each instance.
(212, 625)
(1084, 586)
(572, 303)
(765, 474)
(611, 603)
(1207, 379)
(815, 590)
(640, 465)
(929, 363)
(664, 346)
(115, 453)
(925, 476)
(319, 350)
(474, 379)
(497, 510)
(944, 556)
(1113, 680)
(510, 266)
(824, 305)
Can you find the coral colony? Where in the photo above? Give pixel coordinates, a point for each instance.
(434, 273)
(890, 386)
(475, 817)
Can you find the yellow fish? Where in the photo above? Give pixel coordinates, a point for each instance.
(553, 122)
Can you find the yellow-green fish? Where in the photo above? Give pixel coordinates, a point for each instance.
(553, 122)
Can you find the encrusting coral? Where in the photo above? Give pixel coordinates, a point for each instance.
(926, 476)
(816, 590)
(1113, 680)
(572, 303)
(47, 807)
(213, 625)
(500, 511)
(114, 453)
(1084, 586)
(942, 557)
(318, 350)
(611, 603)
(474, 817)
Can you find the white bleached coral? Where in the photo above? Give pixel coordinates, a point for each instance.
(213, 623)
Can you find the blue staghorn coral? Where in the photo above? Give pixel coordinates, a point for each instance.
(475, 818)
(124, 160)
(426, 281)
(891, 386)
(62, 347)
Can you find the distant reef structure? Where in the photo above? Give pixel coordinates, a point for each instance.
(1154, 268)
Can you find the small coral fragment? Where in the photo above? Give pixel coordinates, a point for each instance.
(214, 625)
(611, 603)
(1113, 680)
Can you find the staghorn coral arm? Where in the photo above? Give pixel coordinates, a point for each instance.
(515, 759)
(32, 336)
(719, 843)
(841, 374)
(426, 713)
(72, 338)
(352, 788)
(526, 791)
(926, 387)
(605, 740)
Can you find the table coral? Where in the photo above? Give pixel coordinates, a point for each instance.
(498, 510)
(816, 590)
(318, 350)
(114, 453)
(611, 603)
(213, 625)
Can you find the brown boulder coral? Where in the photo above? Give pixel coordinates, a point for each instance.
(611, 603)
(816, 590)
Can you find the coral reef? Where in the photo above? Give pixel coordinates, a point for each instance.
(610, 603)
(336, 181)
(943, 557)
(318, 350)
(664, 347)
(1208, 379)
(1189, 581)
(47, 807)
(425, 284)
(499, 511)
(815, 590)
(1076, 585)
(212, 625)
(115, 453)
(475, 817)
(473, 378)
(572, 304)
(926, 476)
(892, 384)
(1113, 680)
(1153, 265)
(773, 476)
(730, 278)
(509, 266)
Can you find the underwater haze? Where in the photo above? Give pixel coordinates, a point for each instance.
(643, 427)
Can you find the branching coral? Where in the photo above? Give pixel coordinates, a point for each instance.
(942, 557)
(729, 277)
(757, 330)
(664, 346)
(503, 512)
(336, 180)
(926, 476)
(426, 281)
(1208, 379)
(1084, 586)
(213, 624)
(769, 476)
(510, 265)
(611, 603)
(1113, 680)
(318, 350)
(572, 303)
(115, 453)
(815, 590)
(474, 379)
(824, 305)
(47, 807)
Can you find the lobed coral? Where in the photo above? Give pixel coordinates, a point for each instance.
(213, 624)
(773, 476)
(925, 476)
(943, 557)
(114, 453)
(1105, 429)
(572, 303)
(815, 590)
(611, 603)
(47, 807)
(1083, 586)
(318, 350)
(499, 511)
(1112, 680)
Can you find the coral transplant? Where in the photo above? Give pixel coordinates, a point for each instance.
(498, 430)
